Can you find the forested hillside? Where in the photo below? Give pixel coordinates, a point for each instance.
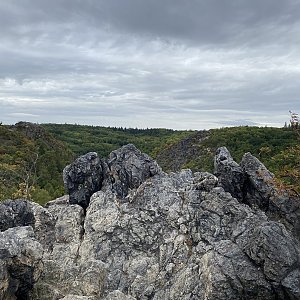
(82, 139)
(31, 162)
(32, 156)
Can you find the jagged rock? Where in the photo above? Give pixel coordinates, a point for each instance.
(274, 250)
(20, 262)
(261, 191)
(20, 212)
(253, 184)
(150, 235)
(127, 168)
(15, 213)
(291, 284)
(230, 174)
(174, 239)
(259, 181)
(63, 200)
(205, 181)
(82, 178)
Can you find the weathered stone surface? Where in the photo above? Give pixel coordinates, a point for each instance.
(260, 190)
(258, 186)
(117, 295)
(20, 212)
(252, 183)
(176, 239)
(20, 262)
(230, 175)
(82, 178)
(63, 200)
(150, 235)
(64, 272)
(15, 213)
(205, 181)
(127, 168)
(291, 284)
(274, 250)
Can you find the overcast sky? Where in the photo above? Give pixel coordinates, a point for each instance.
(182, 64)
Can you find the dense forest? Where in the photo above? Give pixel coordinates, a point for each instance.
(31, 162)
(82, 139)
(33, 156)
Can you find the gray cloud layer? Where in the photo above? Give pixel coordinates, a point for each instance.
(177, 64)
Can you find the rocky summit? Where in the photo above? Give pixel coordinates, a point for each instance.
(128, 231)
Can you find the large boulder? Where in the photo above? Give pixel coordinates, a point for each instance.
(82, 178)
(230, 175)
(259, 181)
(127, 168)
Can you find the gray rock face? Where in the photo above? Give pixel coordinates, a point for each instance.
(82, 178)
(20, 212)
(230, 175)
(64, 273)
(20, 263)
(176, 239)
(261, 191)
(127, 168)
(150, 235)
(15, 213)
(259, 181)
(252, 183)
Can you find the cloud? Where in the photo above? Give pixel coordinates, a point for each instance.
(177, 64)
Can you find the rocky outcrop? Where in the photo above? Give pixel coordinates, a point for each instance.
(82, 178)
(15, 213)
(252, 183)
(125, 169)
(260, 182)
(146, 234)
(230, 174)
